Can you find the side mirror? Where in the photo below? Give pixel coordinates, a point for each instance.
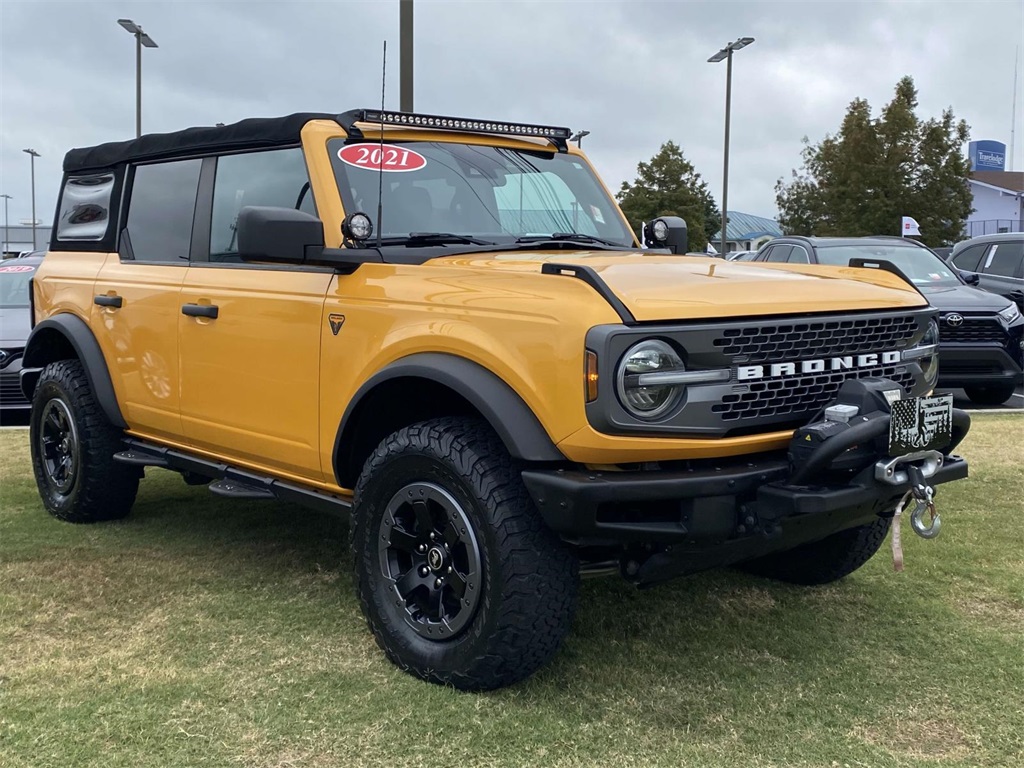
(667, 232)
(277, 234)
(971, 278)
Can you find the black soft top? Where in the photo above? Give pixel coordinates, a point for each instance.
(247, 134)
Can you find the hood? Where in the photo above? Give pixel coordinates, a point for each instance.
(14, 327)
(964, 298)
(665, 287)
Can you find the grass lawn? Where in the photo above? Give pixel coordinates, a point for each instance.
(204, 632)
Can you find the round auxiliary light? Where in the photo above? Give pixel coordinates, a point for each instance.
(660, 230)
(642, 399)
(357, 226)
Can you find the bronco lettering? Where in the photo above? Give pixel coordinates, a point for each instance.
(754, 372)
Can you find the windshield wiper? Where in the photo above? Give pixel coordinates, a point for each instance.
(414, 239)
(578, 237)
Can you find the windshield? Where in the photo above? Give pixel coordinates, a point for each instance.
(490, 193)
(14, 284)
(921, 266)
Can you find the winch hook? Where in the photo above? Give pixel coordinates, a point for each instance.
(934, 525)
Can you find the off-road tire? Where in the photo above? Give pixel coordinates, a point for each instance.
(91, 487)
(994, 394)
(825, 561)
(528, 578)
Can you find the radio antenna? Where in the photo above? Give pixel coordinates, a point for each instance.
(380, 160)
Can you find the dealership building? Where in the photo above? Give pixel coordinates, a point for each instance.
(17, 238)
(997, 193)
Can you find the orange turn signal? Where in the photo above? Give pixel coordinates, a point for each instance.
(590, 376)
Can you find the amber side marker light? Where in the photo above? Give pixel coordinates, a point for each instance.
(590, 376)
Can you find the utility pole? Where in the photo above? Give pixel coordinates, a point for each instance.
(33, 155)
(7, 237)
(405, 55)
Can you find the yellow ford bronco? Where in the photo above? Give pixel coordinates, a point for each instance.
(446, 329)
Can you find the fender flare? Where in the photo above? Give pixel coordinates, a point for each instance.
(75, 331)
(502, 407)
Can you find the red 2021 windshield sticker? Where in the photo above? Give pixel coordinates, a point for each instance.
(389, 159)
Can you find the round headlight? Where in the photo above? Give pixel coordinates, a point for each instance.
(641, 394)
(357, 226)
(660, 230)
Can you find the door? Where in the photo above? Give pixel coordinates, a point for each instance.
(136, 303)
(249, 334)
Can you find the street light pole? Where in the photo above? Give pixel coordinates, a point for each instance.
(141, 39)
(7, 237)
(726, 53)
(405, 55)
(33, 155)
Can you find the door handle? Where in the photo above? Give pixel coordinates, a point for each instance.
(108, 301)
(200, 310)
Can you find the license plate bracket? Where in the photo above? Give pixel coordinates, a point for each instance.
(921, 424)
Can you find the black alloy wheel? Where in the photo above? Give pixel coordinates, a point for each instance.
(430, 555)
(58, 447)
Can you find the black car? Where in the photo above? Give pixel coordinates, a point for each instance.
(999, 262)
(15, 325)
(981, 347)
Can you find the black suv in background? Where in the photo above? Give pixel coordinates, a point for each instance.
(999, 262)
(981, 334)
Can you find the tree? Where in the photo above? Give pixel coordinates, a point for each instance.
(668, 185)
(876, 170)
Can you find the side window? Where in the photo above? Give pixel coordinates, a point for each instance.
(799, 255)
(970, 258)
(1005, 259)
(85, 207)
(161, 210)
(276, 178)
(779, 253)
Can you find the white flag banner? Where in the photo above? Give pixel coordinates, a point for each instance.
(910, 227)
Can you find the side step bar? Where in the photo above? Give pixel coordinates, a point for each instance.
(229, 481)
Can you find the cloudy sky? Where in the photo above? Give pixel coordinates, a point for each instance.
(635, 74)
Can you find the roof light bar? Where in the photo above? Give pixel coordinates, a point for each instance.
(558, 136)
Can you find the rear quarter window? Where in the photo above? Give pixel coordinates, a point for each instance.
(85, 208)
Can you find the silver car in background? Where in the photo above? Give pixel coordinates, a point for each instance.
(15, 324)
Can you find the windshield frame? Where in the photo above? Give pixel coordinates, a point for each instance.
(583, 184)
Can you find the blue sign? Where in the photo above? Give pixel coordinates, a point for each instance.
(987, 155)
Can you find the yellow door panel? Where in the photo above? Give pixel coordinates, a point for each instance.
(250, 376)
(140, 342)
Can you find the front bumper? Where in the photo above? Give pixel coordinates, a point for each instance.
(11, 396)
(708, 505)
(963, 365)
(717, 512)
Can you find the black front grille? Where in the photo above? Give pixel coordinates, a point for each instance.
(798, 395)
(816, 338)
(973, 330)
(10, 391)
